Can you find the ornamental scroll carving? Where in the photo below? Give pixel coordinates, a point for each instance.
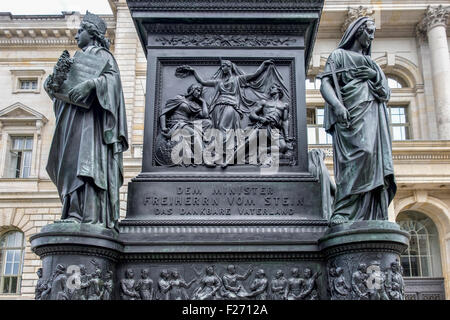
(214, 40)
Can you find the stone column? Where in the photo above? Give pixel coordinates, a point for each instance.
(434, 24)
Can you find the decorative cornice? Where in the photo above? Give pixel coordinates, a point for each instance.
(223, 223)
(221, 257)
(224, 5)
(433, 17)
(355, 13)
(221, 29)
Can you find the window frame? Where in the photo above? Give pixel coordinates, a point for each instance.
(4, 248)
(22, 151)
(27, 75)
(406, 125)
(421, 228)
(316, 127)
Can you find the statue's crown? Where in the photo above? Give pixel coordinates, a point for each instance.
(95, 20)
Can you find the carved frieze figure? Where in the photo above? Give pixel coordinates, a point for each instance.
(164, 285)
(295, 284)
(145, 286)
(271, 114)
(279, 286)
(85, 157)
(58, 281)
(94, 287)
(340, 289)
(395, 285)
(259, 286)
(41, 290)
(359, 283)
(209, 286)
(183, 118)
(128, 288)
(229, 103)
(108, 285)
(232, 288)
(178, 286)
(317, 167)
(376, 282)
(356, 92)
(80, 293)
(309, 286)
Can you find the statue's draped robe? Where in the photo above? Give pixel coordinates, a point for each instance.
(362, 152)
(85, 158)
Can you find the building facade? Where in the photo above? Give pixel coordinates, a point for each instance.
(411, 45)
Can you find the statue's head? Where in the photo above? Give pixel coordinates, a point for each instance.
(92, 31)
(276, 89)
(175, 274)
(365, 34)
(195, 90)
(226, 66)
(82, 269)
(39, 272)
(210, 270)
(362, 267)
(98, 272)
(332, 271)
(395, 266)
(129, 273)
(279, 274)
(231, 269)
(108, 274)
(294, 272)
(164, 274)
(260, 273)
(307, 273)
(144, 273)
(339, 271)
(60, 269)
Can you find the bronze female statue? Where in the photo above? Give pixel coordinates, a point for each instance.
(356, 92)
(85, 158)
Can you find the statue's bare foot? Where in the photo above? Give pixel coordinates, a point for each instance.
(337, 219)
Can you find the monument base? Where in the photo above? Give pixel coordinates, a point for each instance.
(363, 260)
(351, 261)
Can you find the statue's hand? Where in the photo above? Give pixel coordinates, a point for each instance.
(81, 91)
(342, 115)
(365, 73)
(268, 62)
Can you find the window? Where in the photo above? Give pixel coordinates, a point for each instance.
(316, 132)
(422, 258)
(28, 84)
(20, 154)
(398, 122)
(27, 80)
(11, 260)
(395, 82)
(312, 83)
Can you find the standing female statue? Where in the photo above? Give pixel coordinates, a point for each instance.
(356, 92)
(85, 158)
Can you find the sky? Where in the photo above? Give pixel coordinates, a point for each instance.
(54, 6)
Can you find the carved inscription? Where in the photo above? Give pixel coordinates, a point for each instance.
(222, 201)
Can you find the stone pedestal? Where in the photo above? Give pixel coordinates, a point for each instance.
(81, 249)
(360, 256)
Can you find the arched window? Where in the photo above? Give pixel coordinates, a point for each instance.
(396, 82)
(422, 258)
(12, 245)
